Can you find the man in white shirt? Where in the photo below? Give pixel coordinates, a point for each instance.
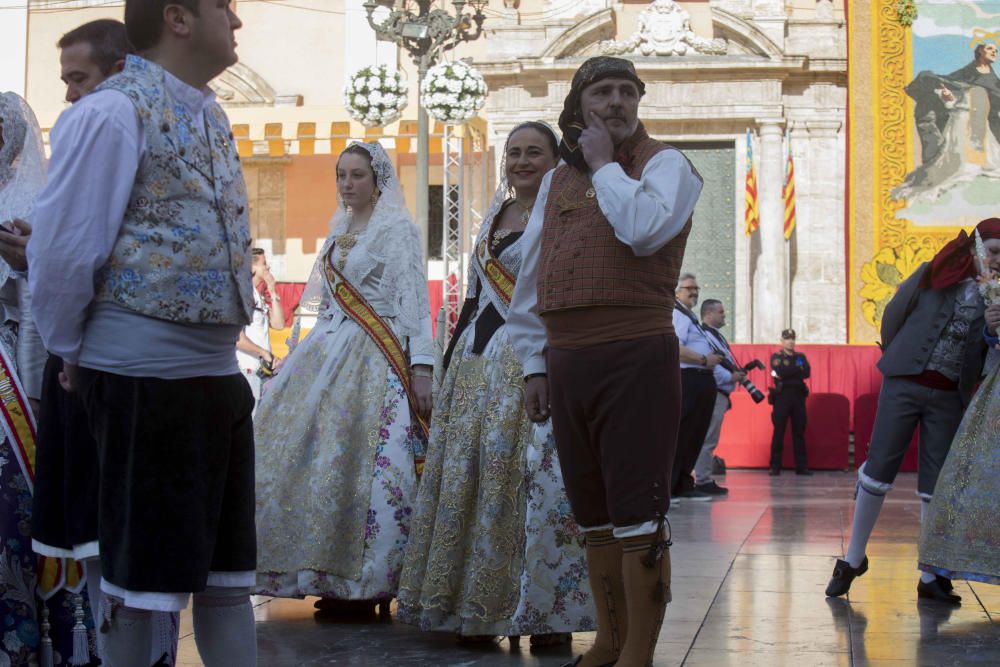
(64, 504)
(698, 361)
(141, 255)
(253, 349)
(591, 323)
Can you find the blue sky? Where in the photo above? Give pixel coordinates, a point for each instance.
(943, 31)
(940, 54)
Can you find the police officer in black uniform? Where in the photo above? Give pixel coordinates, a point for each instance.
(789, 369)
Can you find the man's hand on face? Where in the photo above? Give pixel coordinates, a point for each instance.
(269, 278)
(596, 143)
(14, 236)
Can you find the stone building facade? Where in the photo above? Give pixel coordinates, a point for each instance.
(714, 68)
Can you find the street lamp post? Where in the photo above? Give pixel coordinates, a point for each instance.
(425, 34)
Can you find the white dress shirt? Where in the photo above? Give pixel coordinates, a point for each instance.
(646, 215)
(97, 147)
(691, 336)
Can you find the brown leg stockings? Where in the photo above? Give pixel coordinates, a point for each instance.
(604, 565)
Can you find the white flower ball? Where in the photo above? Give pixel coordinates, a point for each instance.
(373, 83)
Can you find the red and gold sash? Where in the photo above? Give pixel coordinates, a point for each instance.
(18, 422)
(19, 427)
(490, 266)
(358, 309)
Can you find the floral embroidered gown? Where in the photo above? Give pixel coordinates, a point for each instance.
(493, 547)
(960, 535)
(335, 440)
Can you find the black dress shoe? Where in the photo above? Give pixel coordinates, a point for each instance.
(843, 576)
(774, 472)
(945, 583)
(805, 472)
(935, 591)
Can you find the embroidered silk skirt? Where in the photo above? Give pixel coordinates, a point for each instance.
(494, 548)
(335, 471)
(960, 532)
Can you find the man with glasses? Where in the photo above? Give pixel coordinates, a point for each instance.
(698, 389)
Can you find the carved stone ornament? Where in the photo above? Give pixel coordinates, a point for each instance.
(664, 30)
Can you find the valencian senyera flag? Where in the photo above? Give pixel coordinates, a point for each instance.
(752, 210)
(788, 191)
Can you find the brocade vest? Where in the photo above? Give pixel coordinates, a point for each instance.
(583, 264)
(183, 251)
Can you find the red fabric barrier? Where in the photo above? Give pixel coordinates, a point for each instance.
(746, 433)
(840, 375)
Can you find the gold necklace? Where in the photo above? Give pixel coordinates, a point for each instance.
(500, 234)
(344, 243)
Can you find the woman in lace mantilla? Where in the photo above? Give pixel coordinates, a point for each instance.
(22, 177)
(493, 546)
(336, 440)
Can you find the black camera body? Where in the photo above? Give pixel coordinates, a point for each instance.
(756, 394)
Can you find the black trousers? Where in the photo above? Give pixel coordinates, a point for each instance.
(697, 404)
(176, 497)
(64, 505)
(614, 416)
(789, 405)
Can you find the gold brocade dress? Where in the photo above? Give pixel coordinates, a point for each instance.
(335, 448)
(493, 546)
(960, 537)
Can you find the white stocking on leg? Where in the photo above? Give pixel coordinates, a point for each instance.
(94, 596)
(926, 577)
(224, 627)
(866, 511)
(126, 643)
(166, 628)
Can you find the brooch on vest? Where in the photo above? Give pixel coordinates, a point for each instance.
(578, 194)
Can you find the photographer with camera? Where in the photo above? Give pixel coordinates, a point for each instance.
(726, 375)
(253, 349)
(789, 369)
(699, 359)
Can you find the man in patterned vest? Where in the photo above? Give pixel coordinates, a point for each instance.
(591, 321)
(140, 261)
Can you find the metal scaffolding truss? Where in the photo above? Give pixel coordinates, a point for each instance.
(465, 183)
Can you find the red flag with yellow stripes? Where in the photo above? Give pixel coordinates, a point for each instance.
(788, 191)
(751, 210)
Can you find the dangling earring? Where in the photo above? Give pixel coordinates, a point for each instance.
(374, 198)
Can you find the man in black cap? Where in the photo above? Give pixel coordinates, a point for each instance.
(592, 322)
(789, 369)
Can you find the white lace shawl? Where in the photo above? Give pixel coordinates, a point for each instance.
(389, 250)
(22, 178)
(22, 163)
(510, 257)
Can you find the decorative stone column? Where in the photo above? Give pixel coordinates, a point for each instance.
(819, 313)
(770, 289)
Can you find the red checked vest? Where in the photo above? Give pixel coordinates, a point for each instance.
(582, 264)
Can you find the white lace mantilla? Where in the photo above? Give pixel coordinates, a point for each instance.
(385, 264)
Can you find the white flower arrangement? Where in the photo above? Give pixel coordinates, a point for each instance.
(453, 92)
(375, 96)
